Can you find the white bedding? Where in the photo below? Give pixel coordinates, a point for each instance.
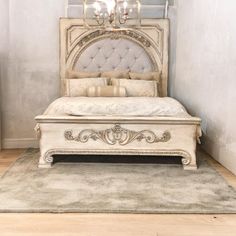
(117, 106)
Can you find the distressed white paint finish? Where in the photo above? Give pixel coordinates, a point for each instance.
(205, 72)
(181, 140)
(33, 65)
(180, 134)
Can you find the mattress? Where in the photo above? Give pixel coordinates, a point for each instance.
(116, 106)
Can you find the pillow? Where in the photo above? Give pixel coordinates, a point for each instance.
(138, 88)
(106, 91)
(72, 74)
(146, 76)
(116, 74)
(78, 87)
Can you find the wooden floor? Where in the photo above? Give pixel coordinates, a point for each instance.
(115, 224)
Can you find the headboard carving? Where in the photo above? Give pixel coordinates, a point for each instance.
(148, 45)
(115, 35)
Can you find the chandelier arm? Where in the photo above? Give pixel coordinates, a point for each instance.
(124, 20)
(166, 9)
(100, 20)
(113, 13)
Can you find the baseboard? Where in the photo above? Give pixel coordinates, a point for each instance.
(20, 143)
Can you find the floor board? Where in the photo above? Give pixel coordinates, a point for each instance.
(115, 224)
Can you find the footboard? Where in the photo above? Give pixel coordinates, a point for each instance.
(123, 136)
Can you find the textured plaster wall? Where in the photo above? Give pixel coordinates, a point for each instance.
(32, 80)
(205, 72)
(31, 77)
(4, 32)
(202, 67)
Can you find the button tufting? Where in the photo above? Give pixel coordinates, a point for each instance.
(125, 54)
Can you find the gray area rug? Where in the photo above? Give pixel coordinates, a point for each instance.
(113, 188)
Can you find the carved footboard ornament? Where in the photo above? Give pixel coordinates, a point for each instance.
(117, 134)
(37, 131)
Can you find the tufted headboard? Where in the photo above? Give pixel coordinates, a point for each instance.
(141, 49)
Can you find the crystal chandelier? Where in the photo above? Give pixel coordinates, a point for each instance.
(112, 12)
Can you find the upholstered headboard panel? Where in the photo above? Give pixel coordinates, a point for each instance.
(141, 49)
(110, 54)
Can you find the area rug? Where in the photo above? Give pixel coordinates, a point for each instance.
(113, 188)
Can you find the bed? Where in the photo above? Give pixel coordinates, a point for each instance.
(126, 125)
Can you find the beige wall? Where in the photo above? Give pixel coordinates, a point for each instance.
(202, 68)
(4, 32)
(205, 71)
(32, 80)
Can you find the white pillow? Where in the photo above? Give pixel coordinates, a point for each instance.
(78, 87)
(137, 88)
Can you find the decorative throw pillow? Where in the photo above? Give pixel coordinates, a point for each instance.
(71, 74)
(138, 88)
(106, 91)
(78, 87)
(146, 76)
(116, 74)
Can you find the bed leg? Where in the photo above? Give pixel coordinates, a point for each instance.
(189, 162)
(45, 166)
(190, 167)
(45, 161)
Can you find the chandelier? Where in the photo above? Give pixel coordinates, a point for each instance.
(111, 12)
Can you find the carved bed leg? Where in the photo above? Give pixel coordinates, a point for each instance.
(45, 161)
(189, 162)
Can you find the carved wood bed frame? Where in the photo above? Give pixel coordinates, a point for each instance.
(166, 136)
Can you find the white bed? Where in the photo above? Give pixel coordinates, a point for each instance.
(117, 125)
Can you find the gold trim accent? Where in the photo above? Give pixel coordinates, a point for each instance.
(114, 34)
(199, 134)
(115, 120)
(38, 131)
(135, 36)
(117, 135)
(156, 31)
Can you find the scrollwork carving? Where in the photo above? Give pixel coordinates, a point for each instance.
(115, 35)
(186, 160)
(49, 159)
(199, 134)
(38, 131)
(117, 135)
